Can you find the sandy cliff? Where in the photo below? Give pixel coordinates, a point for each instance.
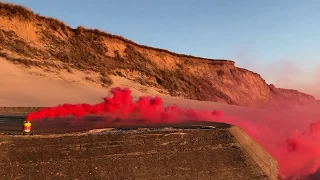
(36, 41)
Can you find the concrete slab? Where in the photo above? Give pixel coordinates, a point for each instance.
(205, 151)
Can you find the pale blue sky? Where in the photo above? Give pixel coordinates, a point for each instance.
(256, 34)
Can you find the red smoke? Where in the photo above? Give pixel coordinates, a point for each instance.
(122, 106)
(298, 155)
(304, 151)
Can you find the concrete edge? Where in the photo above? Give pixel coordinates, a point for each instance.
(258, 154)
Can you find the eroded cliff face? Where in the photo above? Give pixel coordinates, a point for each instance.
(33, 40)
(290, 96)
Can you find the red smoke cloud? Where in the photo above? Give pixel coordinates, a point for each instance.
(304, 148)
(122, 106)
(298, 154)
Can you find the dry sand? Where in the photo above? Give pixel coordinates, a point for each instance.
(21, 86)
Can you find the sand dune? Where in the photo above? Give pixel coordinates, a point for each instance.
(21, 86)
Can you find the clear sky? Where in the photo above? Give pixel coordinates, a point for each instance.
(279, 39)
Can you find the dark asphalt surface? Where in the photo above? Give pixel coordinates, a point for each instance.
(13, 124)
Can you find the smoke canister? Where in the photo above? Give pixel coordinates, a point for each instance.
(27, 126)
